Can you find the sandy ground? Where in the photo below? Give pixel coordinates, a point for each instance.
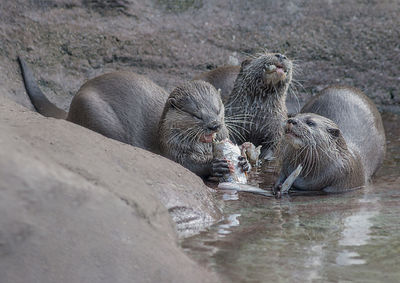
(333, 42)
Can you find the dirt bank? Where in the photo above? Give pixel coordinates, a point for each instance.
(67, 42)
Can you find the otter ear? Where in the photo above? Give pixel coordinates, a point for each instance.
(245, 62)
(334, 132)
(172, 102)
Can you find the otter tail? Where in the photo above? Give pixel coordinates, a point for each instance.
(38, 99)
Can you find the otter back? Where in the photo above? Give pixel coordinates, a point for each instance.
(222, 78)
(123, 106)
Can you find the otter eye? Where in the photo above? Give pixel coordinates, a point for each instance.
(310, 123)
(280, 56)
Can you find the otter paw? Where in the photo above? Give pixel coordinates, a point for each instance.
(244, 164)
(220, 167)
(276, 189)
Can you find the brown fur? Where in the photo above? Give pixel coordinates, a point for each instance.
(222, 78)
(338, 153)
(256, 109)
(191, 110)
(124, 106)
(127, 107)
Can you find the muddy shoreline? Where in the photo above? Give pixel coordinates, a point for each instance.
(68, 42)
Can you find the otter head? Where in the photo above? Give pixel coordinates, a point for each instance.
(194, 113)
(314, 141)
(312, 130)
(270, 71)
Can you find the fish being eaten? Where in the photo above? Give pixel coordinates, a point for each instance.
(229, 151)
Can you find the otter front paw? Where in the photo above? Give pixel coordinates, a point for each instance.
(276, 190)
(244, 164)
(220, 167)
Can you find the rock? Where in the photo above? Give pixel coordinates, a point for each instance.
(78, 207)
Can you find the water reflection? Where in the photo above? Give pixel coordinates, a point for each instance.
(357, 227)
(230, 195)
(349, 237)
(349, 258)
(232, 221)
(357, 231)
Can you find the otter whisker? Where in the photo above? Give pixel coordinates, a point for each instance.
(236, 133)
(237, 121)
(238, 127)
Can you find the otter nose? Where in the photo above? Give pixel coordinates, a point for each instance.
(214, 126)
(292, 121)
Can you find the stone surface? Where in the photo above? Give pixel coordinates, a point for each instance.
(78, 207)
(67, 42)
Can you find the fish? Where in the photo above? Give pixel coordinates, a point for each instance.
(229, 151)
(287, 184)
(251, 152)
(244, 188)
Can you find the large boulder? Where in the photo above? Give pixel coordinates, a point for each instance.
(78, 207)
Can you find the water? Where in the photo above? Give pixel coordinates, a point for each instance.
(335, 238)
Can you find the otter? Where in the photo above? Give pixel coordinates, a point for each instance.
(132, 109)
(255, 109)
(338, 138)
(192, 118)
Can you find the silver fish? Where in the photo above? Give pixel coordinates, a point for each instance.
(225, 149)
(244, 188)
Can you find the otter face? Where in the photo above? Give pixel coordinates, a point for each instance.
(196, 111)
(311, 130)
(273, 69)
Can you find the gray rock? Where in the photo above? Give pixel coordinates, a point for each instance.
(78, 207)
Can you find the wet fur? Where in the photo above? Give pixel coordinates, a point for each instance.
(222, 78)
(124, 106)
(257, 108)
(180, 129)
(339, 154)
(323, 155)
(127, 107)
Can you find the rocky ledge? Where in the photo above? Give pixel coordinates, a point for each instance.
(78, 207)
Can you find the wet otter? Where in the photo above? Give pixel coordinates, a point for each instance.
(127, 107)
(193, 116)
(255, 110)
(338, 138)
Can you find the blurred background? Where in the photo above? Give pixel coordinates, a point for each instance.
(67, 42)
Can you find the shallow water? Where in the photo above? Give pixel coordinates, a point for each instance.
(333, 238)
